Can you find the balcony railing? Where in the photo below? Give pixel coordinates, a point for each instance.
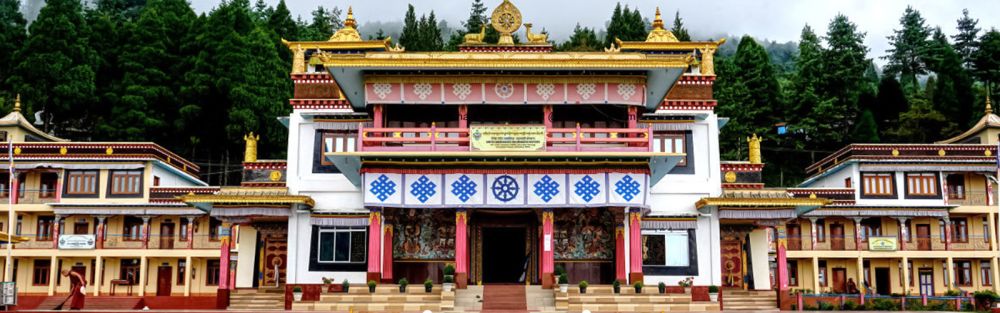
(33, 196)
(35, 242)
(969, 197)
(457, 139)
(918, 243)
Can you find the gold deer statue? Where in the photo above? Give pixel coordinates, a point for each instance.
(535, 38)
(476, 38)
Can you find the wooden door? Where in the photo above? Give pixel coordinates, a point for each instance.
(926, 277)
(837, 237)
(839, 280)
(882, 283)
(794, 237)
(164, 279)
(167, 236)
(80, 229)
(923, 237)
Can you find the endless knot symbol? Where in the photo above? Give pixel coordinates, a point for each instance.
(381, 90)
(626, 90)
(463, 188)
(382, 187)
(545, 90)
(587, 188)
(422, 90)
(627, 187)
(504, 90)
(505, 188)
(586, 90)
(461, 90)
(546, 188)
(423, 188)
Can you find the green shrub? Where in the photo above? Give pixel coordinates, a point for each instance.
(825, 306)
(297, 289)
(583, 284)
(449, 279)
(449, 270)
(563, 279)
(881, 305)
(428, 283)
(372, 284)
(952, 293)
(712, 289)
(850, 306)
(403, 282)
(560, 270)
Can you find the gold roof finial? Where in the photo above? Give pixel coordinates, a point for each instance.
(349, 32)
(250, 154)
(17, 103)
(754, 142)
(989, 106)
(658, 21)
(658, 33)
(350, 18)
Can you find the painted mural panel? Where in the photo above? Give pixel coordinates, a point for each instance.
(584, 234)
(424, 235)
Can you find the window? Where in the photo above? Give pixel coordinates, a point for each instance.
(963, 273)
(986, 229)
(126, 183)
(4, 185)
(44, 229)
(183, 233)
(960, 229)
(822, 273)
(132, 228)
(941, 230)
(793, 272)
(820, 230)
(156, 180)
(671, 142)
(81, 183)
(847, 182)
(47, 185)
(877, 184)
(328, 141)
(40, 273)
(956, 186)
(921, 184)
(20, 221)
(666, 248)
(985, 274)
(181, 271)
(215, 229)
(212, 273)
(342, 245)
(129, 271)
(871, 228)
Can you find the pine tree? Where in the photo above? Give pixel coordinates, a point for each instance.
(678, 29)
(987, 59)
(112, 20)
(583, 39)
(732, 94)
(477, 18)
(866, 130)
(803, 96)
(953, 94)
(921, 123)
(626, 25)
(844, 65)
(965, 39)
(12, 36)
(324, 24)
(890, 102)
(55, 69)
(262, 96)
(261, 11)
(907, 57)
(410, 37)
(280, 21)
(749, 94)
(430, 33)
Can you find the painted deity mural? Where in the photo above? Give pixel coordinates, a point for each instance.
(423, 234)
(584, 234)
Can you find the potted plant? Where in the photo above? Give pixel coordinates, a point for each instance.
(563, 283)
(449, 278)
(326, 284)
(616, 286)
(428, 285)
(637, 286)
(402, 285)
(713, 293)
(559, 271)
(662, 287)
(583, 286)
(686, 284)
(297, 293)
(371, 286)
(346, 285)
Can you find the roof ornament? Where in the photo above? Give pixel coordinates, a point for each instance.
(250, 154)
(989, 106)
(17, 103)
(658, 33)
(541, 38)
(506, 19)
(754, 142)
(350, 31)
(475, 38)
(613, 48)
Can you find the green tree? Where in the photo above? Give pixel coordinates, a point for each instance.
(965, 39)
(866, 130)
(907, 57)
(324, 24)
(261, 11)
(921, 123)
(430, 34)
(262, 96)
(55, 69)
(410, 37)
(890, 102)
(809, 62)
(953, 94)
(750, 95)
(477, 18)
(280, 21)
(987, 58)
(678, 28)
(844, 66)
(626, 25)
(732, 94)
(583, 39)
(12, 36)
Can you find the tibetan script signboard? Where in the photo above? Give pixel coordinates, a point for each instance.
(507, 138)
(77, 242)
(882, 244)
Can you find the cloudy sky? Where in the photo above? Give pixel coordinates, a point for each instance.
(779, 20)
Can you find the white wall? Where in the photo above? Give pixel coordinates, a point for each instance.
(169, 179)
(760, 263)
(246, 251)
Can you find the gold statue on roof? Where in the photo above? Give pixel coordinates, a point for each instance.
(250, 154)
(754, 142)
(475, 38)
(506, 19)
(349, 32)
(660, 34)
(535, 38)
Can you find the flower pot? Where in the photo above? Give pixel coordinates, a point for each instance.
(638, 289)
(297, 296)
(326, 289)
(448, 287)
(563, 288)
(371, 289)
(713, 296)
(617, 289)
(428, 289)
(347, 289)
(583, 289)
(402, 288)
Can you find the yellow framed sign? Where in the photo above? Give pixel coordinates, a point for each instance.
(507, 137)
(882, 244)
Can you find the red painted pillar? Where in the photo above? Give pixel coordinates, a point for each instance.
(377, 119)
(548, 256)
(387, 253)
(145, 232)
(55, 231)
(947, 233)
(633, 117)
(461, 248)
(100, 232)
(858, 228)
(547, 116)
(59, 188)
(15, 188)
(782, 258)
(190, 232)
(375, 245)
(222, 295)
(620, 274)
(463, 116)
(635, 245)
(903, 233)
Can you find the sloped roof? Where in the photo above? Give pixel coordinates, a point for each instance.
(989, 120)
(14, 118)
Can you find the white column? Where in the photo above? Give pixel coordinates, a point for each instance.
(950, 283)
(98, 275)
(142, 275)
(815, 261)
(187, 276)
(995, 273)
(906, 275)
(53, 271)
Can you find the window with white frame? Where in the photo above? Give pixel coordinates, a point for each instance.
(666, 248)
(921, 184)
(342, 245)
(671, 142)
(877, 184)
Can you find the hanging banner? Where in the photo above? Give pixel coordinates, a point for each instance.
(507, 138)
(882, 244)
(77, 242)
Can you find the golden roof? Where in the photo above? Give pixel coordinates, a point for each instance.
(248, 196)
(660, 34)
(989, 120)
(15, 118)
(759, 198)
(5, 238)
(349, 33)
(506, 60)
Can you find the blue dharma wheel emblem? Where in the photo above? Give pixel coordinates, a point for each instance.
(505, 188)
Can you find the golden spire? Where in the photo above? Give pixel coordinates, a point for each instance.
(658, 21)
(250, 154)
(349, 32)
(17, 103)
(754, 149)
(350, 18)
(989, 107)
(658, 33)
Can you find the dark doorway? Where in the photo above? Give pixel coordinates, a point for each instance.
(839, 280)
(166, 235)
(882, 280)
(163, 280)
(923, 237)
(837, 236)
(504, 255)
(80, 228)
(794, 237)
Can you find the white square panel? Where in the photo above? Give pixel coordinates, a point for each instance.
(464, 189)
(423, 189)
(505, 189)
(546, 189)
(587, 189)
(381, 189)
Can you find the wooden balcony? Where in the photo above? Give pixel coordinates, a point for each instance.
(457, 139)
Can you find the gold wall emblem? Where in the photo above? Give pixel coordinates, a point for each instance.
(987, 152)
(730, 177)
(62, 151)
(941, 152)
(275, 176)
(17, 150)
(109, 151)
(506, 19)
(895, 152)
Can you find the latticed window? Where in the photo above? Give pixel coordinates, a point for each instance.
(342, 245)
(671, 142)
(126, 182)
(877, 184)
(921, 184)
(81, 182)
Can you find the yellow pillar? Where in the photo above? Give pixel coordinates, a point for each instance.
(142, 276)
(815, 274)
(950, 275)
(98, 275)
(53, 271)
(906, 275)
(861, 275)
(187, 276)
(993, 231)
(995, 273)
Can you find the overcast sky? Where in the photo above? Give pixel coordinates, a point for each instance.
(778, 20)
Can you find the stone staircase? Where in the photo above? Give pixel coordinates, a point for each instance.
(602, 299)
(504, 298)
(750, 300)
(93, 303)
(257, 299)
(386, 298)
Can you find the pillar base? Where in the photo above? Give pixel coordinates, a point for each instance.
(461, 280)
(634, 277)
(548, 280)
(376, 276)
(222, 299)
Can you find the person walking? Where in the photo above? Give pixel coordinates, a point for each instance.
(76, 290)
